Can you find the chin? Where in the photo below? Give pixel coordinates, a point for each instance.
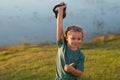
(75, 46)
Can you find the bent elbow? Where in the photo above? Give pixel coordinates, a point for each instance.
(81, 74)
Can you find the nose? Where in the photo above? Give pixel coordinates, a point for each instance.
(77, 41)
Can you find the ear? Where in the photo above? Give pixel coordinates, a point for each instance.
(66, 38)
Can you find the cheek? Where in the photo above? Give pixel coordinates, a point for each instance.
(79, 42)
(70, 41)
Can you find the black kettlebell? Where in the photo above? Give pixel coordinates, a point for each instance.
(55, 10)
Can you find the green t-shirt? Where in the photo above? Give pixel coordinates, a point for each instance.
(67, 56)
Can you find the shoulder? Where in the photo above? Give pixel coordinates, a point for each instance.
(60, 43)
(81, 54)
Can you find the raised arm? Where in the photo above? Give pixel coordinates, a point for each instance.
(59, 29)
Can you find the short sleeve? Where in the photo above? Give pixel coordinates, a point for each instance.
(80, 65)
(59, 42)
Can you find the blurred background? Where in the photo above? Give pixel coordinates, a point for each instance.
(33, 20)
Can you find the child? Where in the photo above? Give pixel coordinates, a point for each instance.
(70, 60)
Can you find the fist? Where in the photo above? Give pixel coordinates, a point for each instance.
(61, 7)
(69, 68)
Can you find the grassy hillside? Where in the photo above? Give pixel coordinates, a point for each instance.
(37, 62)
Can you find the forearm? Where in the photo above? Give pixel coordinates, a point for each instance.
(59, 29)
(76, 72)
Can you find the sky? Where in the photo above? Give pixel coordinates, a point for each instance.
(33, 20)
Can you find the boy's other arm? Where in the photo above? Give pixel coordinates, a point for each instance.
(70, 68)
(77, 72)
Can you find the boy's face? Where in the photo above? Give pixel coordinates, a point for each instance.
(74, 39)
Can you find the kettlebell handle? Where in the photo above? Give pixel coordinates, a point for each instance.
(55, 10)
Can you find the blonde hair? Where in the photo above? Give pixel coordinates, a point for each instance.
(73, 28)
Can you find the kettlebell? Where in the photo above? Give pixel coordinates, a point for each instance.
(55, 10)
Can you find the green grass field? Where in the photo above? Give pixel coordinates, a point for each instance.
(37, 62)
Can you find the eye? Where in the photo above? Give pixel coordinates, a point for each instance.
(73, 38)
(79, 39)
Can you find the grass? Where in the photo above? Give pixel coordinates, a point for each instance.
(37, 62)
(102, 64)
